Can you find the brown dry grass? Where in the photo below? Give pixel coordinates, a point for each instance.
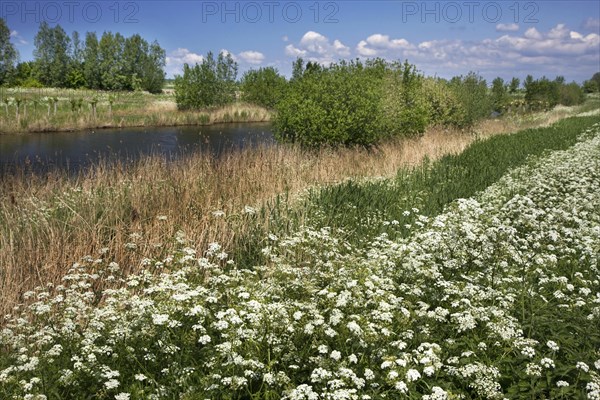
(47, 223)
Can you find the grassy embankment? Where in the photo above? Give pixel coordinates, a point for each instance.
(33, 110)
(495, 296)
(48, 222)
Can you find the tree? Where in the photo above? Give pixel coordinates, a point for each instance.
(542, 93)
(52, 46)
(263, 87)
(499, 94)
(297, 69)
(113, 74)
(592, 85)
(154, 69)
(76, 75)
(8, 55)
(514, 85)
(91, 62)
(472, 93)
(211, 83)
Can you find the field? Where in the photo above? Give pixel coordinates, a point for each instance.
(47, 110)
(449, 266)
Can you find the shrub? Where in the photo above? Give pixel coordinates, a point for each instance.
(472, 94)
(571, 94)
(336, 105)
(263, 87)
(405, 106)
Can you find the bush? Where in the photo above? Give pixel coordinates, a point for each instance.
(444, 106)
(571, 94)
(405, 106)
(472, 94)
(336, 105)
(263, 87)
(541, 93)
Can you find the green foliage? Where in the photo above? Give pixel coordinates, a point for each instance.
(472, 93)
(513, 86)
(52, 55)
(340, 104)
(8, 54)
(444, 106)
(112, 63)
(405, 104)
(571, 94)
(542, 93)
(211, 83)
(500, 95)
(545, 94)
(263, 87)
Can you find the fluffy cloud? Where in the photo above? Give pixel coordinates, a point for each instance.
(315, 47)
(177, 58)
(378, 43)
(557, 51)
(507, 27)
(252, 57)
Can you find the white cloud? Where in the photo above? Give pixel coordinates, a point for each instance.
(285, 38)
(507, 27)
(20, 41)
(533, 33)
(177, 58)
(559, 51)
(315, 47)
(379, 44)
(252, 57)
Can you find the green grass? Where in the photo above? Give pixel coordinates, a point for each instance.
(359, 208)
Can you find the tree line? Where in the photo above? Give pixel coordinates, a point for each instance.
(111, 62)
(362, 102)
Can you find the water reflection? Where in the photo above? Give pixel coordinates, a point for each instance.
(75, 151)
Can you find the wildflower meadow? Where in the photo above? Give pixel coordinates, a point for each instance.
(497, 296)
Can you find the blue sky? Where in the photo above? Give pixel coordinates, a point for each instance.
(443, 38)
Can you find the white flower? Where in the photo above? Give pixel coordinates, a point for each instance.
(160, 319)
(218, 213)
(336, 355)
(562, 384)
(547, 362)
(140, 377)
(552, 345)
(204, 339)
(122, 396)
(401, 387)
(582, 366)
(111, 384)
(249, 210)
(412, 375)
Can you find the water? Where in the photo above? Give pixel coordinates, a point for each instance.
(76, 151)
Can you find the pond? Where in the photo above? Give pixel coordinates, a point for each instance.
(76, 151)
